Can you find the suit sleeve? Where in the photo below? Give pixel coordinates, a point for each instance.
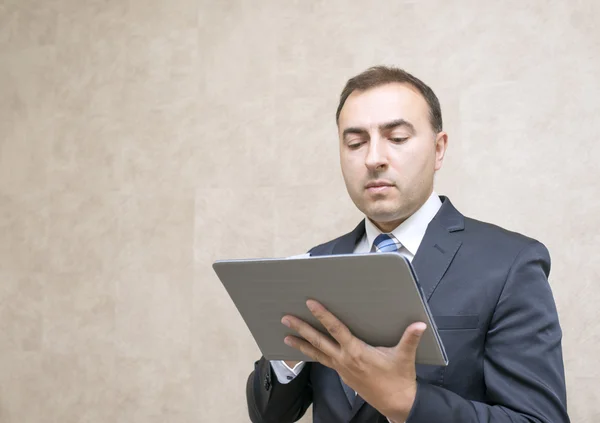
(272, 402)
(523, 363)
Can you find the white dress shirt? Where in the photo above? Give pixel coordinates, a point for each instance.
(410, 233)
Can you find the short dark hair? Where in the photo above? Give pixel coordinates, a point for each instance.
(381, 75)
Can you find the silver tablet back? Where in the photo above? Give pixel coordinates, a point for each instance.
(375, 295)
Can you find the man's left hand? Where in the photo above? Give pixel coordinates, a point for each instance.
(384, 377)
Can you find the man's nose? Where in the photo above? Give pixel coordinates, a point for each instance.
(376, 154)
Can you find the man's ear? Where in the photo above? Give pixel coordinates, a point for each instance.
(441, 145)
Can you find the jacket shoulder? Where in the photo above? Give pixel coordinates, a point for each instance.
(498, 239)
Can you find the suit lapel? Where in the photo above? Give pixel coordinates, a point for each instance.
(347, 243)
(437, 250)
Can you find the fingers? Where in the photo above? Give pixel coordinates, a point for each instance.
(410, 340)
(309, 350)
(318, 346)
(315, 338)
(334, 326)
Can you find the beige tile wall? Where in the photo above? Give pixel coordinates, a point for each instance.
(140, 140)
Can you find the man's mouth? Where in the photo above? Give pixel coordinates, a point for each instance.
(378, 186)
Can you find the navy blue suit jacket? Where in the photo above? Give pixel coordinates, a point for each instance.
(489, 294)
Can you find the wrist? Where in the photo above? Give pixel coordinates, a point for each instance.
(401, 405)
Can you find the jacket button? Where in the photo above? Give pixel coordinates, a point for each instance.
(268, 382)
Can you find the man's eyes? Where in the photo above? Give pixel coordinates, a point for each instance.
(355, 144)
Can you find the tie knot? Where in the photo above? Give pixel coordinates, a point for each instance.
(386, 243)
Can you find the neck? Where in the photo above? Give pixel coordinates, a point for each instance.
(387, 227)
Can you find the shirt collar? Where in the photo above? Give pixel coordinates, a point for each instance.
(410, 233)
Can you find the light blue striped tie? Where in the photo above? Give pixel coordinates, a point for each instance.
(386, 243)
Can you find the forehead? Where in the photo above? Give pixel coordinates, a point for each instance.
(384, 104)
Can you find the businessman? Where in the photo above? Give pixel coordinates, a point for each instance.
(487, 289)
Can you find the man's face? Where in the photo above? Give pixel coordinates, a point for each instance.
(389, 152)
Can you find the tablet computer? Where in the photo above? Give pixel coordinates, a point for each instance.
(376, 295)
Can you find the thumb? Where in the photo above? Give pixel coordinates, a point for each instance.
(410, 340)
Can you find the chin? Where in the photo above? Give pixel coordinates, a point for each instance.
(383, 215)
(379, 210)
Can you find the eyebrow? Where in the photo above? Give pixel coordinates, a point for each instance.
(383, 127)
